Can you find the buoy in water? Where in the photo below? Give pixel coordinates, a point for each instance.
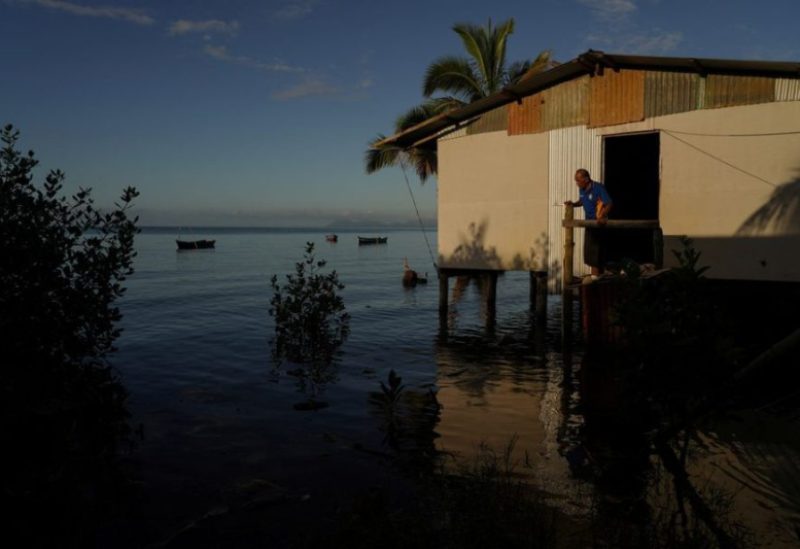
(410, 277)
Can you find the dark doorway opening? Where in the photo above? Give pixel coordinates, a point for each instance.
(631, 170)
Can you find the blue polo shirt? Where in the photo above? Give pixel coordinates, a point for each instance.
(589, 197)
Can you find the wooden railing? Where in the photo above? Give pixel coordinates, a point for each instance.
(570, 223)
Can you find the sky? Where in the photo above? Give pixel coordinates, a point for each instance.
(258, 112)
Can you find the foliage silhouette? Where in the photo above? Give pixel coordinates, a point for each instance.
(64, 416)
(310, 319)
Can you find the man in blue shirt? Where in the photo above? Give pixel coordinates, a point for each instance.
(596, 204)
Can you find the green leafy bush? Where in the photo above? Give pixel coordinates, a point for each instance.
(64, 416)
(310, 317)
(678, 337)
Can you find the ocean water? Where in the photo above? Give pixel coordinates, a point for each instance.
(218, 426)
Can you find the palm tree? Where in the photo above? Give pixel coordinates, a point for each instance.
(421, 158)
(484, 71)
(462, 80)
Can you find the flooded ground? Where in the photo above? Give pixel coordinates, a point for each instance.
(223, 448)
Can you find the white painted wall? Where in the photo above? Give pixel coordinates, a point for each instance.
(737, 197)
(492, 203)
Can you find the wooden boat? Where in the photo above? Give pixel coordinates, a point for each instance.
(362, 240)
(195, 244)
(332, 238)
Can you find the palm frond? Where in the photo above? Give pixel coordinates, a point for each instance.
(424, 160)
(377, 157)
(452, 75)
(543, 62)
(474, 39)
(498, 43)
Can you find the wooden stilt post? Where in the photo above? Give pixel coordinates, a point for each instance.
(491, 300)
(658, 248)
(532, 290)
(569, 249)
(443, 295)
(541, 295)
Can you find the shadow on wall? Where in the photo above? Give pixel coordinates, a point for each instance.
(779, 215)
(473, 252)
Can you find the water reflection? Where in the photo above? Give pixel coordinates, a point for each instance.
(585, 438)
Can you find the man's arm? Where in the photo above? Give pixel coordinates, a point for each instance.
(573, 203)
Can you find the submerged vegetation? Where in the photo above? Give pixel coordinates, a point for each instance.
(311, 320)
(64, 415)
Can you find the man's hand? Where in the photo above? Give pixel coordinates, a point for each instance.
(602, 220)
(569, 203)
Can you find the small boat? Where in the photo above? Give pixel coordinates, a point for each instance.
(362, 240)
(195, 244)
(332, 238)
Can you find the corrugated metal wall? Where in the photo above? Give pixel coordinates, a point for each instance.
(460, 132)
(566, 104)
(670, 93)
(728, 91)
(570, 149)
(617, 97)
(787, 89)
(492, 121)
(525, 117)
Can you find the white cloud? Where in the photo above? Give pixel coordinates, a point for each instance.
(221, 53)
(310, 87)
(186, 26)
(106, 12)
(295, 9)
(654, 42)
(646, 43)
(608, 9)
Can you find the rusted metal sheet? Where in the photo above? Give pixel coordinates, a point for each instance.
(566, 105)
(570, 149)
(670, 93)
(728, 91)
(616, 97)
(787, 89)
(492, 121)
(525, 117)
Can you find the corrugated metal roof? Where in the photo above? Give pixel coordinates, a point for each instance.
(670, 93)
(566, 105)
(787, 89)
(728, 91)
(492, 121)
(526, 116)
(617, 97)
(591, 62)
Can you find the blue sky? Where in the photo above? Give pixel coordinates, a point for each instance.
(258, 112)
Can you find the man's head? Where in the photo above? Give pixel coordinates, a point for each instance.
(582, 178)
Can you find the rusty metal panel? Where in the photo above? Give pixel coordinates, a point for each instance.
(566, 105)
(787, 89)
(525, 117)
(728, 91)
(670, 93)
(570, 149)
(492, 121)
(616, 97)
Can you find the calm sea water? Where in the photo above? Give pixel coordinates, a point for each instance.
(218, 422)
